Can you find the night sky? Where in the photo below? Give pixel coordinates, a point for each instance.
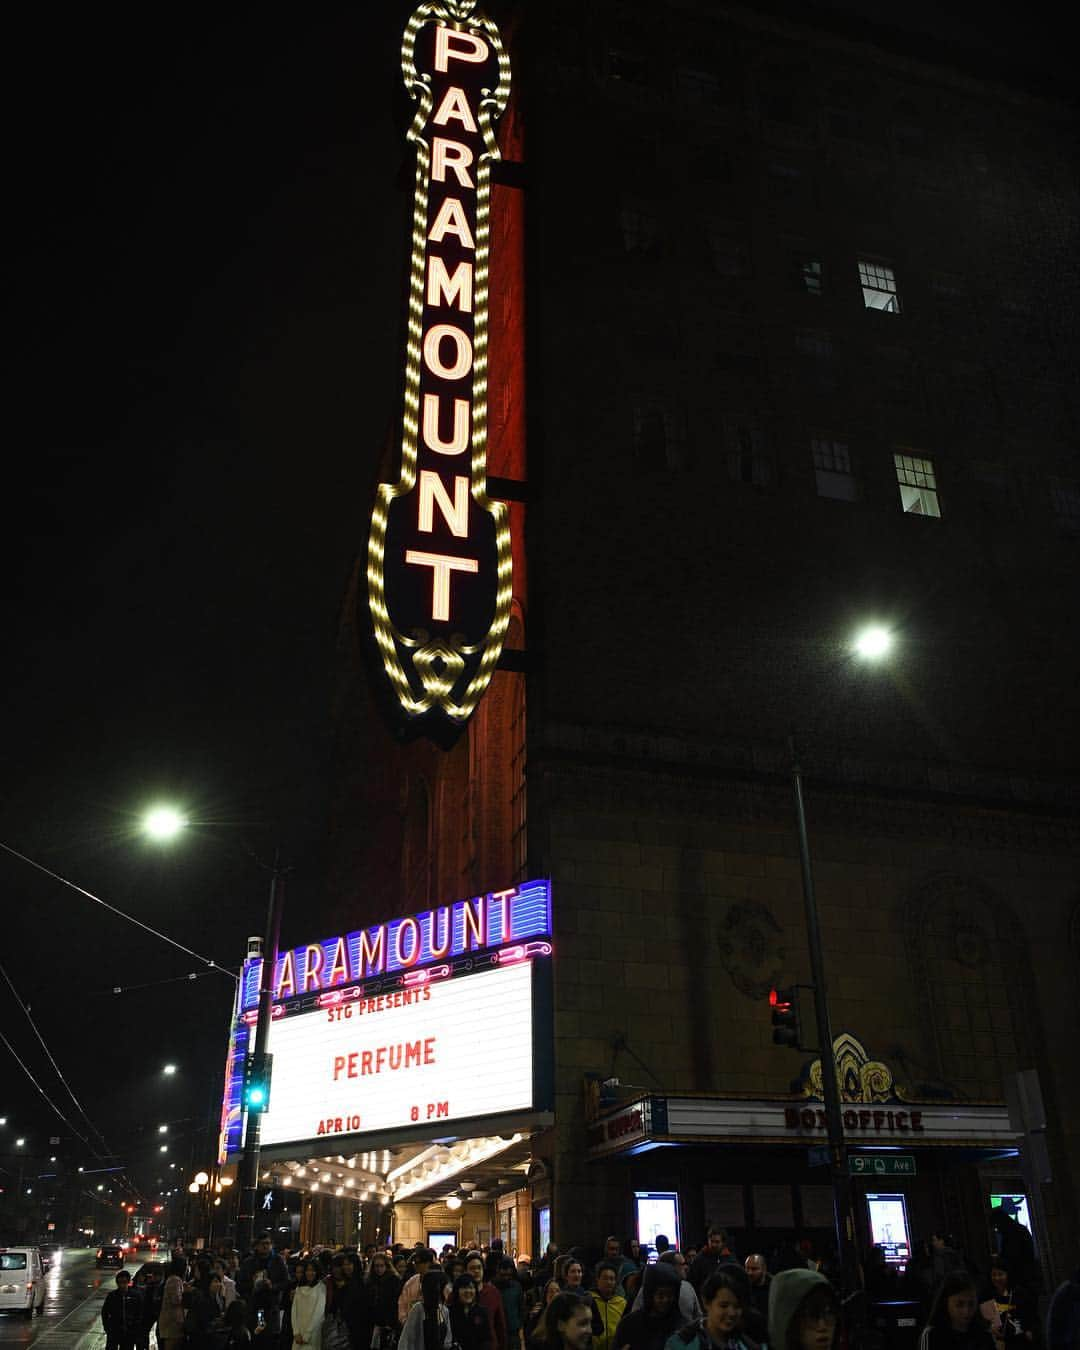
(205, 272)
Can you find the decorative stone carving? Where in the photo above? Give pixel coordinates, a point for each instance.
(751, 947)
(861, 1078)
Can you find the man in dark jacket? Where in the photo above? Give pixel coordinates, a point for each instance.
(659, 1316)
(715, 1253)
(121, 1314)
(262, 1258)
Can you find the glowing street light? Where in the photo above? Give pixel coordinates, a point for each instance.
(168, 1070)
(163, 1129)
(20, 1142)
(872, 642)
(164, 823)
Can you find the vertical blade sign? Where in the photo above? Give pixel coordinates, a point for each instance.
(439, 550)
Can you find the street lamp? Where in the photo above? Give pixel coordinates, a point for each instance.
(168, 1070)
(871, 643)
(164, 823)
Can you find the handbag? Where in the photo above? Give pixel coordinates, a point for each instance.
(335, 1334)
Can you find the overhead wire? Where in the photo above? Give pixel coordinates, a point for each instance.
(148, 928)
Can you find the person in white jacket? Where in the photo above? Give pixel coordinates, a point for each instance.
(427, 1326)
(308, 1307)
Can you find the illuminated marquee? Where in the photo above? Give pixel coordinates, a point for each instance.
(376, 1031)
(439, 549)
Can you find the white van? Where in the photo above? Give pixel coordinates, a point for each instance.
(22, 1280)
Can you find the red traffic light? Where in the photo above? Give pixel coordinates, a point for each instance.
(774, 997)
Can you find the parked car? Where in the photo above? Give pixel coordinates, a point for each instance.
(22, 1279)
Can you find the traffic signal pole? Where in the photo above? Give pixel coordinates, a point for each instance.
(838, 1162)
(249, 1162)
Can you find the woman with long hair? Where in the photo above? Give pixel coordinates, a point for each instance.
(535, 1330)
(469, 1322)
(308, 1309)
(955, 1322)
(568, 1322)
(427, 1326)
(381, 1290)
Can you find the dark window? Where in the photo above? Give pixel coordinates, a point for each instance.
(748, 461)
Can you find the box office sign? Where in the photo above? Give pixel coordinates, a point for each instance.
(438, 564)
(661, 1121)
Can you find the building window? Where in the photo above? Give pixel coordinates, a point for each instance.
(697, 88)
(726, 253)
(808, 274)
(660, 437)
(878, 282)
(628, 68)
(815, 344)
(748, 461)
(1065, 497)
(640, 230)
(832, 469)
(918, 485)
(784, 183)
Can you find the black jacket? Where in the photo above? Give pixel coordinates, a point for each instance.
(644, 1330)
(121, 1314)
(471, 1327)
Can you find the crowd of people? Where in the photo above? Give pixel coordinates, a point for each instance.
(619, 1298)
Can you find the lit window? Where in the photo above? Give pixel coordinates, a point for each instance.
(808, 274)
(640, 230)
(1065, 497)
(879, 287)
(832, 469)
(918, 486)
(748, 461)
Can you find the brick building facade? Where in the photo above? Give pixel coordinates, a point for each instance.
(796, 316)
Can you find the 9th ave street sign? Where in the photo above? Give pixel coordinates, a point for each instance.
(881, 1164)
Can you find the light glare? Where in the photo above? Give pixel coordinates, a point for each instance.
(873, 642)
(164, 822)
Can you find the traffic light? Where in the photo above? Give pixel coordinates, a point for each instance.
(785, 1017)
(257, 1082)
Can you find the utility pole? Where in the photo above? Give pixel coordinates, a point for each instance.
(249, 1163)
(838, 1162)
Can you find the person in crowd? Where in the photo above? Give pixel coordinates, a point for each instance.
(716, 1253)
(228, 1285)
(264, 1258)
(879, 1278)
(1063, 1315)
(150, 1292)
(307, 1310)
(954, 1322)
(488, 1297)
(382, 1288)
(423, 1260)
(237, 1336)
(205, 1316)
(536, 1327)
(347, 1300)
(659, 1317)
(513, 1301)
(1009, 1310)
(688, 1302)
(545, 1267)
(567, 1323)
(613, 1253)
(803, 1311)
(121, 1314)
(469, 1322)
(609, 1303)
(757, 1271)
(663, 1244)
(722, 1296)
(264, 1312)
(170, 1325)
(427, 1326)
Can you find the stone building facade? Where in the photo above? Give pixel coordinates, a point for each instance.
(782, 343)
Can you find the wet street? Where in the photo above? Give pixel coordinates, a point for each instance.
(74, 1292)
